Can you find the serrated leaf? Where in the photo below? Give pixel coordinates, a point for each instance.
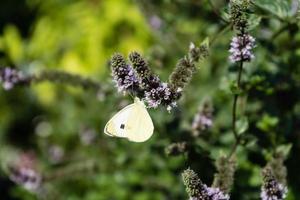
(242, 125)
(253, 22)
(280, 8)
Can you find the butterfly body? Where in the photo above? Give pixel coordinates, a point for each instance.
(132, 122)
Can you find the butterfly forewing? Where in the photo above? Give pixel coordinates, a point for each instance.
(116, 126)
(132, 122)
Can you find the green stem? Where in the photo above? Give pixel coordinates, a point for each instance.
(75, 170)
(234, 112)
(66, 78)
(220, 33)
(217, 13)
(280, 31)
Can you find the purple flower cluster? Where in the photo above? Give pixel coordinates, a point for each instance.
(203, 119)
(241, 48)
(26, 177)
(155, 22)
(56, 154)
(123, 74)
(199, 191)
(10, 77)
(24, 172)
(210, 193)
(271, 188)
(160, 94)
(216, 194)
(202, 122)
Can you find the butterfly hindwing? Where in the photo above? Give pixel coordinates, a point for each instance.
(140, 125)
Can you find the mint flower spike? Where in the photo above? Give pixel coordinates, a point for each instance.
(123, 74)
(199, 191)
(224, 177)
(203, 119)
(241, 48)
(26, 177)
(9, 77)
(186, 66)
(156, 92)
(24, 172)
(140, 65)
(271, 188)
(238, 11)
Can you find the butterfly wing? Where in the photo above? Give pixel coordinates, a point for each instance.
(115, 127)
(139, 125)
(132, 122)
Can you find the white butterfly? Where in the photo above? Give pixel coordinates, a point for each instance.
(132, 122)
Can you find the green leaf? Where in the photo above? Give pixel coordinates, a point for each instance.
(279, 8)
(242, 125)
(13, 43)
(249, 141)
(285, 149)
(267, 123)
(253, 22)
(205, 42)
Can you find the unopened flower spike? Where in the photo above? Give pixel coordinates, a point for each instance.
(140, 65)
(225, 173)
(123, 74)
(238, 10)
(278, 167)
(186, 66)
(182, 73)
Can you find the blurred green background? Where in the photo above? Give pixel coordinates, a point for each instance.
(80, 36)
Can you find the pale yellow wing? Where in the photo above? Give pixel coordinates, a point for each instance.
(115, 127)
(139, 127)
